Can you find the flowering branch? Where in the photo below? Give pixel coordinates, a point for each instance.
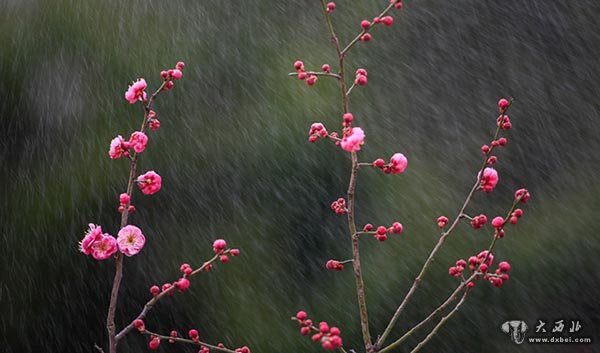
(461, 213)
(169, 291)
(130, 240)
(351, 140)
(466, 282)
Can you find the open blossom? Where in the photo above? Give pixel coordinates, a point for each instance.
(130, 240)
(138, 141)
(489, 179)
(93, 235)
(149, 183)
(398, 163)
(353, 141)
(137, 91)
(104, 248)
(118, 147)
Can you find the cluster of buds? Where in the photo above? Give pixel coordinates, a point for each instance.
(398, 163)
(504, 122)
(317, 130)
(361, 77)
(339, 206)
(334, 265)
(478, 222)
(381, 231)
(171, 75)
(515, 215)
(457, 270)
(500, 276)
(153, 121)
(366, 25)
(303, 75)
(328, 337)
(124, 201)
(219, 247)
(476, 263)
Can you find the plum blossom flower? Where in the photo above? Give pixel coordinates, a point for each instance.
(136, 91)
(353, 141)
(489, 179)
(93, 235)
(118, 148)
(130, 240)
(138, 141)
(104, 248)
(149, 183)
(399, 163)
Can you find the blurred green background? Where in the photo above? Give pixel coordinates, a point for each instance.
(235, 163)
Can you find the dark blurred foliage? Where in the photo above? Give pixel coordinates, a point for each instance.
(235, 162)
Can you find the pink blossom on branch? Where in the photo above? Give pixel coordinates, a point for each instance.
(136, 92)
(130, 240)
(489, 179)
(104, 248)
(93, 235)
(149, 183)
(118, 148)
(353, 141)
(138, 141)
(398, 163)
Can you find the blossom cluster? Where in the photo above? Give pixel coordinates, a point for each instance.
(328, 337)
(381, 232)
(480, 264)
(101, 246)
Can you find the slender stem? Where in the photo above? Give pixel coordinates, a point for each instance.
(188, 341)
(350, 89)
(360, 290)
(360, 287)
(433, 314)
(441, 323)
(150, 304)
(317, 73)
(112, 307)
(439, 244)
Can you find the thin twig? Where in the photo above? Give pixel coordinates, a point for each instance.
(441, 323)
(318, 73)
(185, 340)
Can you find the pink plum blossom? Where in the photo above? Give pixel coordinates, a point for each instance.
(399, 163)
(118, 147)
(136, 91)
(149, 183)
(353, 141)
(130, 240)
(138, 141)
(93, 235)
(489, 179)
(104, 248)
